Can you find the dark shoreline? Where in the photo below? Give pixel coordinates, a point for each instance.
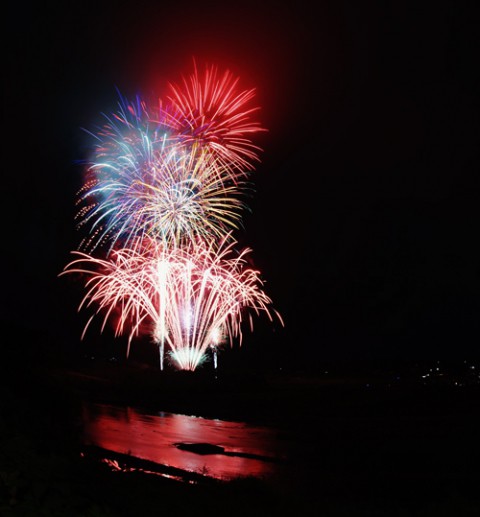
(248, 393)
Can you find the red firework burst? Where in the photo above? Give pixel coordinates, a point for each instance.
(210, 110)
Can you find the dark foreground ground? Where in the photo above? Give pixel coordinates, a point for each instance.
(381, 445)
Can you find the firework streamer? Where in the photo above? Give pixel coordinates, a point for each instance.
(191, 297)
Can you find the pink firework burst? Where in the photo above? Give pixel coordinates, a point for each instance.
(193, 298)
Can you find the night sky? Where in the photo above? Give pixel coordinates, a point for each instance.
(365, 218)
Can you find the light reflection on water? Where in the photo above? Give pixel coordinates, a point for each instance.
(248, 450)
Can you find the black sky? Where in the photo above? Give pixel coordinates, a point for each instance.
(365, 219)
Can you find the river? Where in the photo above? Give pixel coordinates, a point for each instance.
(216, 448)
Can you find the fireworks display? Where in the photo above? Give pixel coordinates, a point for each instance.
(162, 195)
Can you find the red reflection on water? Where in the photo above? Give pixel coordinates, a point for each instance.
(153, 437)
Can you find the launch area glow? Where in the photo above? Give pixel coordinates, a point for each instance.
(162, 196)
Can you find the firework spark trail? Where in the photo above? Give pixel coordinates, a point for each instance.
(192, 295)
(209, 110)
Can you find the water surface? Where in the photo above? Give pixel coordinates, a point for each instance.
(242, 449)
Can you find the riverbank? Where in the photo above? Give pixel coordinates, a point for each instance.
(275, 397)
(374, 449)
